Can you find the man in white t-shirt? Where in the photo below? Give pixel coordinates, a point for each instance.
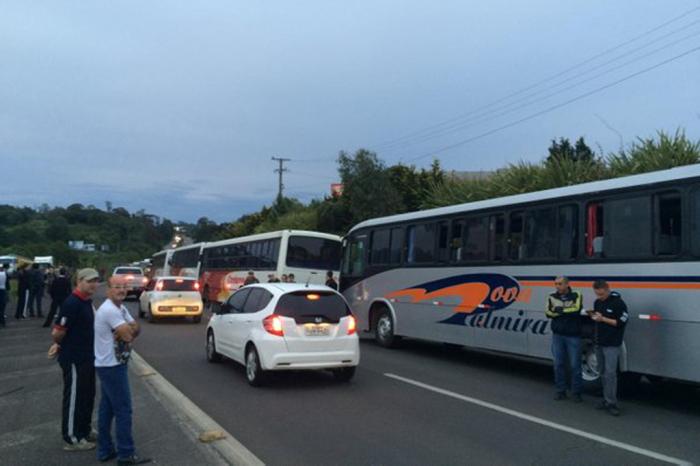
(115, 329)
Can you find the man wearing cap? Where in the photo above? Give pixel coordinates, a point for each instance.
(74, 334)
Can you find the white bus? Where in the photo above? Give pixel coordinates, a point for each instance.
(478, 274)
(160, 263)
(185, 261)
(306, 254)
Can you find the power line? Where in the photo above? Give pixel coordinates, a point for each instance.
(538, 83)
(507, 110)
(557, 106)
(485, 116)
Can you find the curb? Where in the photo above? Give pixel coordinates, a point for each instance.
(230, 449)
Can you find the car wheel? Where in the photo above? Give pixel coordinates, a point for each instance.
(344, 374)
(151, 319)
(253, 370)
(212, 355)
(384, 329)
(197, 319)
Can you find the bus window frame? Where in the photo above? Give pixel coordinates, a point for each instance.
(656, 227)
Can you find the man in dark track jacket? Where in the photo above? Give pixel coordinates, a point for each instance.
(74, 334)
(564, 308)
(610, 317)
(59, 290)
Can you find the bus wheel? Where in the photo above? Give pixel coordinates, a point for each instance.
(384, 329)
(589, 368)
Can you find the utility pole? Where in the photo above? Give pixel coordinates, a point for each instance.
(280, 170)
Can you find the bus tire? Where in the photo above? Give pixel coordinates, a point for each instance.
(589, 368)
(384, 328)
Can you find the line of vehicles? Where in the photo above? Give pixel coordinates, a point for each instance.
(474, 274)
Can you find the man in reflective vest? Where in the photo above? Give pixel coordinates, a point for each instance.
(564, 308)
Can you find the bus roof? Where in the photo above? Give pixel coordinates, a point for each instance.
(271, 235)
(673, 174)
(190, 246)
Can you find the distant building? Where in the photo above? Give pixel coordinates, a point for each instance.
(79, 245)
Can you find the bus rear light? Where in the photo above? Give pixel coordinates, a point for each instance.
(649, 316)
(273, 325)
(352, 325)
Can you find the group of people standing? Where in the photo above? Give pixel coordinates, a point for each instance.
(608, 316)
(287, 278)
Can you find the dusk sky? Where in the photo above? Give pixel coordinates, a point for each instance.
(177, 107)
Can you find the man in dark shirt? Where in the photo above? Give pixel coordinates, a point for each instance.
(36, 291)
(59, 290)
(330, 281)
(74, 333)
(610, 316)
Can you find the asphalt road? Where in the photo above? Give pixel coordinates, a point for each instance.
(473, 408)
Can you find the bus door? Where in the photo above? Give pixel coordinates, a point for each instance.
(353, 272)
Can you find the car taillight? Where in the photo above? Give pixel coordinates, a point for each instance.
(144, 280)
(273, 325)
(352, 325)
(159, 286)
(196, 286)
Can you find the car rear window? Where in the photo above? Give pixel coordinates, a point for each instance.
(179, 285)
(128, 271)
(306, 306)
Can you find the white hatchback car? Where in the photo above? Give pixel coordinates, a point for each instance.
(171, 297)
(285, 326)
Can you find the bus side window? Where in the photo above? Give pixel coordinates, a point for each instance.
(421, 243)
(396, 248)
(594, 229)
(515, 236)
(443, 251)
(568, 232)
(456, 241)
(668, 223)
(497, 228)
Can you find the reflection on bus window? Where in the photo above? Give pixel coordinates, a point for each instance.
(515, 236)
(540, 230)
(627, 219)
(668, 240)
(497, 228)
(421, 243)
(568, 227)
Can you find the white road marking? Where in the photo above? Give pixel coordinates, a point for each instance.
(543, 422)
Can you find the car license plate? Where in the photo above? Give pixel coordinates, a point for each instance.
(312, 330)
(179, 309)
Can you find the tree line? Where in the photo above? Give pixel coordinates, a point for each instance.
(371, 188)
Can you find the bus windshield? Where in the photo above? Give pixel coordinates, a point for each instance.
(307, 252)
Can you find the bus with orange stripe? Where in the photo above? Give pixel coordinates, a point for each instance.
(478, 274)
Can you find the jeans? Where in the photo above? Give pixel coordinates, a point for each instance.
(115, 404)
(3, 303)
(567, 351)
(607, 357)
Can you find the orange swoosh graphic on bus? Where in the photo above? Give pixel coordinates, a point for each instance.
(471, 295)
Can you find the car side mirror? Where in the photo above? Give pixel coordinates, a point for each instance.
(225, 308)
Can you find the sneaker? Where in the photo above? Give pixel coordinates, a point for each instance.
(602, 405)
(577, 398)
(560, 396)
(133, 459)
(613, 410)
(80, 445)
(92, 436)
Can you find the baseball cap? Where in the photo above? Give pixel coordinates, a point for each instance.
(87, 274)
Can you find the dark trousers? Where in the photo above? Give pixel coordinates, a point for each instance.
(567, 352)
(35, 298)
(22, 300)
(78, 399)
(55, 304)
(115, 405)
(3, 303)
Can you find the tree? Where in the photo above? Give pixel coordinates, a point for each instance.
(367, 188)
(563, 150)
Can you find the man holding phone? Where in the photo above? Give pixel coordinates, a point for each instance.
(610, 316)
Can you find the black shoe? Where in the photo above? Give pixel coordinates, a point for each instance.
(602, 405)
(109, 457)
(133, 460)
(613, 410)
(577, 398)
(560, 396)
